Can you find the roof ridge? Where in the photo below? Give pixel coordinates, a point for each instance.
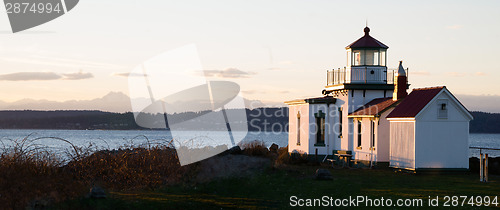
(430, 88)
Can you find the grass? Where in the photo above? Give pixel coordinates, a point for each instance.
(151, 178)
(273, 188)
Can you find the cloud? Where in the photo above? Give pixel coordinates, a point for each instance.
(78, 76)
(126, 74)
(44, 76)
(480, 74)
(420, 73)
(485, 103)
(251, 92)
(30, 76)
(228, 73)
(455, 74)
(455, 27)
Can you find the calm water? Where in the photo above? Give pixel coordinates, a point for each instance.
(104, 139)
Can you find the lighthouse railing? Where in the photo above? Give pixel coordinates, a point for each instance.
(360, 75)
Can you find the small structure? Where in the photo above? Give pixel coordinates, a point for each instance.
(357, 117)
(429, 129)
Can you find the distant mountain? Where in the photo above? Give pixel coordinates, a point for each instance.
(112, 102)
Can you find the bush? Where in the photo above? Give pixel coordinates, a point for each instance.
(283, 156)
(33, 177)
(254, 148)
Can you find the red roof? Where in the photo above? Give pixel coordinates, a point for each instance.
(367, 41)
(374, 107)
(415, 102)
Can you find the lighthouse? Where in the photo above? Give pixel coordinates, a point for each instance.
(366, 116)
(364, 78)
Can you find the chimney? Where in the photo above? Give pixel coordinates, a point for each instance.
(400, 83)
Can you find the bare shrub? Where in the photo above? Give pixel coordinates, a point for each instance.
(32, 173)
(254, 148)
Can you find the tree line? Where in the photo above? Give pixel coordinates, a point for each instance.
(260, 119)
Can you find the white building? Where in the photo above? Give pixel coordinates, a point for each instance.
(357, 116)
(429, 129)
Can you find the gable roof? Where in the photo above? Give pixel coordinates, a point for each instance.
(415, 102)
(374, 107)
(367, 41)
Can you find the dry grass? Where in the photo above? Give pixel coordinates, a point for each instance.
(254, 148)
(35, 176)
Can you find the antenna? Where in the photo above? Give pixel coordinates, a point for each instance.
(366, 22)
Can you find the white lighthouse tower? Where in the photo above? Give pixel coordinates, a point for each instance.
(366, 77)
(366, 117)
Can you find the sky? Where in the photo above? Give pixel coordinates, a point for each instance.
(275, 50)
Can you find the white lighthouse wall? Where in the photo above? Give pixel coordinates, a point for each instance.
(331, 135)
(355, 101)
(402, 147)
(380, 151)
(382, 144)
(442, 142)
(293, 110)
(364, 152)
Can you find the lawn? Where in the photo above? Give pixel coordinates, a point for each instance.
(273, 187)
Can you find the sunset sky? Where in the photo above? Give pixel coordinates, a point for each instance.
(275, 50)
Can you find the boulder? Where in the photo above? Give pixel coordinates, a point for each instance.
(323, 174)
(97, 192)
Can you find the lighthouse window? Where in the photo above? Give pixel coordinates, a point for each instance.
(357, 57)
(382, 58)
(298, 128)
(340, 122)
(320, 128)
(376, 58)
(373, 133)
(372, 57)
(442, 109)
(359, 133)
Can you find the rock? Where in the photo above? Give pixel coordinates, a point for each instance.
(323, 174)
(97, 192)
(274, 148)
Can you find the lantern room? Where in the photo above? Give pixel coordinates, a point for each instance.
(366, 64)
(366, 51)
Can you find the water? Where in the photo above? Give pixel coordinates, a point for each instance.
(112, 139)
(484, 140)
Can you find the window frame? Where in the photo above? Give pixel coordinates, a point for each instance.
(320, 128)
(298, 128)
(442, 113)
(360, 140)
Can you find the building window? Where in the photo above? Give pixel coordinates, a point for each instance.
(442, 109)
(359, 133)
(376, 58)
(340, 122)
(373, 134)
(357, 58)
(371, 57)
(320, 128)
(382, 58)
(298, 128)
